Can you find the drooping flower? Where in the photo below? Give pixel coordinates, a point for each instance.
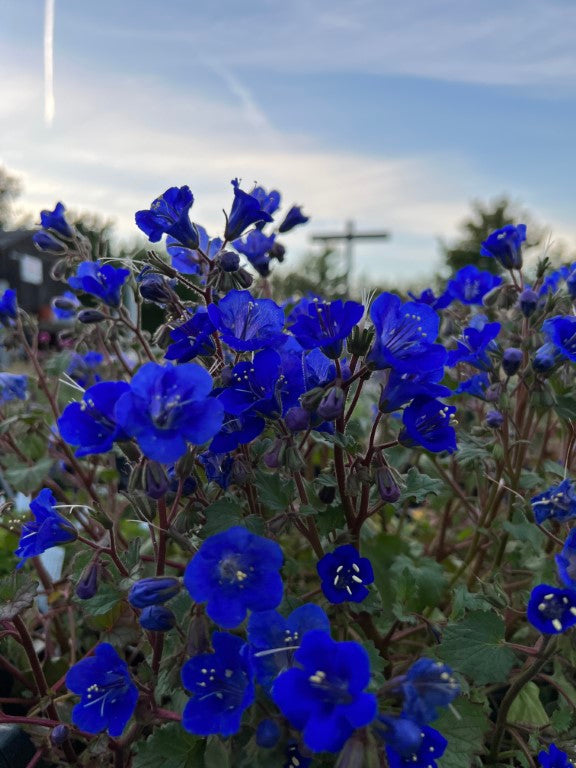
(476, 386)
(47, 243)
(246, 210)
(235, 571)
(154, 590)
(91, 424)
(554, 758)
(218, 467)
(47, 530)
(561, 332)
(256, 247)
(8, 307)
(551, 610)
(101, 280)
(429, 423)
(469, 285)
(404, 336)
(556, 503)
(65, 306)
(192, 338)
(528, 302)
(505, 245)
(13, 386)
(475, 343)
(316, 323)
(401, 388)
(427, 296)
(269, 201)
(84, 368)
(432, 747)
(188, 261)
(324, 695)
(169, 215)
(345, 575)
(108, 694)
(566, 561)
(512, 360)
(427, 686)
(222, 687)
(274, 638)
(168, 406)
(56, 221)
(293, 218)
(247, 323)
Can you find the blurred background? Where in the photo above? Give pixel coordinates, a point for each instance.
(433, 120)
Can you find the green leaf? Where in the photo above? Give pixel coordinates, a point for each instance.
(419, 486)
(566, 407)
(465, 733)
(131, 558)
(527, 709)
(17, 592)
(464, 601)
(561, 719)
(474, 648)
(104, 601)
(275, 492)
(29, 479)
(523, 530)
(169, 747)
(216, 754)
(220, 516)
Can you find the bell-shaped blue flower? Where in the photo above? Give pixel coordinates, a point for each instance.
(324, 695)
(427, 687)
(256, 247)
(91, 424)
(222, 687)
(246, 323)
(316, 323)
(293, 218)
(65, 306)
(154, 590)
(254, 386)
(505, 245)
(13, 386)
(469, 285)
(345, 575)
(218, 467)
(476, 386)
(556, 503)
(429, 423)
(192, 338)
(167, 407)
(561, 332)
(101, 280)
(8, 307)
(84, 368)
(551, 610)
(47, 243)
(274, 638)
(432, 747)
(475, 343)
(108, 694)
(546, 358)
(427, 296)
(404, 336)
(246, 210)
(188, 261)
(528, 302)
(48, 529)
(237, 430)
(169, 215)
(56, 221)
(403, 735)
(554, 758)
(401, 388)
(233, 572)
(566, 561)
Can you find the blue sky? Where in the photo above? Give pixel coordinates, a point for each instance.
(395, 115)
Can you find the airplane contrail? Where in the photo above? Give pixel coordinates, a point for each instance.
(49, 103)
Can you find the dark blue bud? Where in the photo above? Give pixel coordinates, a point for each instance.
(545, 358)
(528, 301)
(88, 316)
(267, 734)
(157, 618)
(387, 486)
(327, 494)
(156, 288)
(47, 243)
(229, 261)
(512, 360)
(332, 404)
(297, 419)
(274, 454)
(88, 584)
(153, 591)
(156, 482)
(492, 393)
(277, 252)
(494, 419)
(59, 734)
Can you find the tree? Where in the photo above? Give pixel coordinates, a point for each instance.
(10, 188)
(315, 273)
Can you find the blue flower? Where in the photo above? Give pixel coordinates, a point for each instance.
(566, 561)
(269, 201)
(83, 368)
(169, 215)
(402, 388)
(427, 686)
(512, 360)
(403, 735)
(476, 386)
(154, 590)
(235, 571)
(293, 218)
(246, 210)
(13, 387)
(237, 430)
(475, 343)
(168, 406)
(317, 323)
(554, 758)
(100, 280)
(428, 422)
(218, 467)
(505, 245)
(256, 247)
(432, 746)
(65, 306)
(345, 574)
(557, 503)
(546, 358)
(254, 387)
(8, 307)
(247, 323)
(188, 260)
(56, 221)
(528, 302)
(551, 610)
(273, 639)
(47, 530)
(91, 424)
(427, 296)
(561, 331)
(47, 243)
(404, 336)
(157, 618)
(267, 733)
(108, 694)
(222, 687)
(192, 338)
(324, 696)
(469, 285)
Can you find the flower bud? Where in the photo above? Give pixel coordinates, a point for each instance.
(494, 419)
(65, 304)
(327, 494)
(228, 261)
(240, 472)
(267, 733)
(198, 635)
(311, 399)
(59, 734)
(528, 301)
(387, 486)
(155, 480)
(157, 618)
(332, 404)
(274, 455)
(89, 316)
(512, 360)
(88, 584)
(297, 419)
(47, 243)
(277, 252)
(156, 288)
(243, 278)
(493, 392)
(153, 591)
(545, 358)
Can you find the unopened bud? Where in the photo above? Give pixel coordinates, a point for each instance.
(59, 734)
(155, 480)
(528, 302)
(332, 404)
(297, 419)
(153, 591)
(512, 360)
(327, 494)
(157, 618)
(494, 419)
(228, 261)
(90, 316)
(274, 455)
(387, 486)
(87, 587)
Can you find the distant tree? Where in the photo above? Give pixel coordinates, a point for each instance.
(316, 273)
(10, 188)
